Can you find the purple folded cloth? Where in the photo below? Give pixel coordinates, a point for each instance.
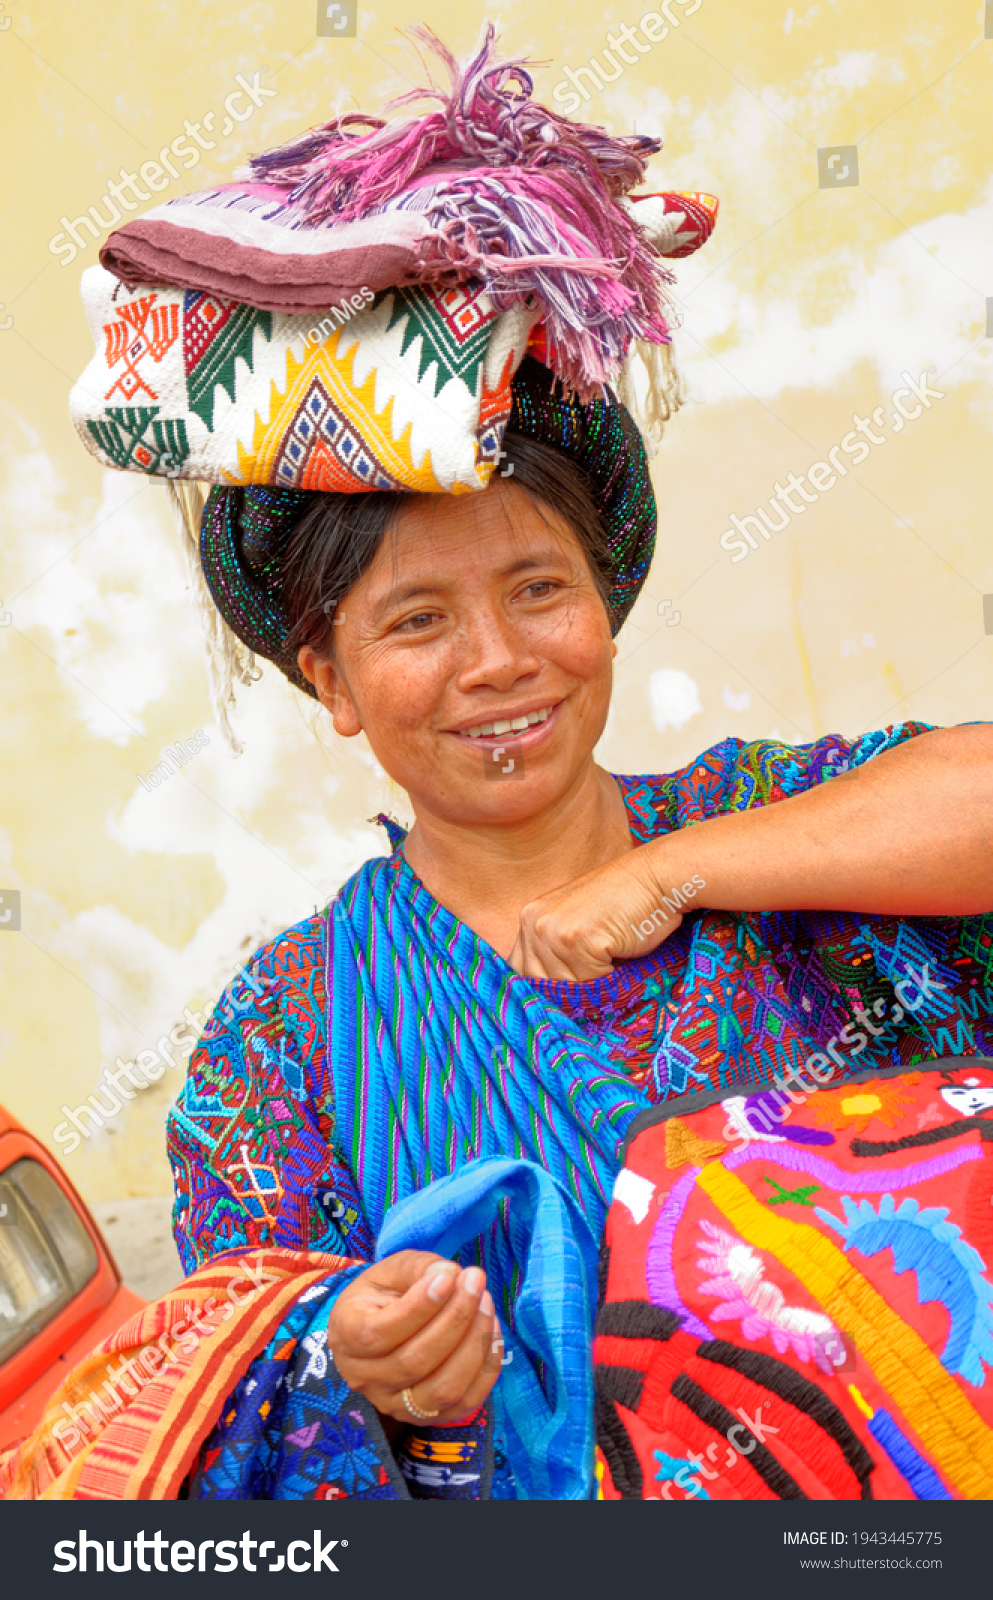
(244, 241)
(491, 187)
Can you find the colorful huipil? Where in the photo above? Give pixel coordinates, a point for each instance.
(440, 1056)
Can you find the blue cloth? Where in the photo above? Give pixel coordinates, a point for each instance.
(546, 1420)
(444, 1061)
(441, 1054)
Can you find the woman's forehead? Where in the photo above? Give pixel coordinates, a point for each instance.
(497, 531)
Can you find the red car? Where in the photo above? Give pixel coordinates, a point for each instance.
(60, 1291)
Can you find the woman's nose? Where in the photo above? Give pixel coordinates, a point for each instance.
(494, 651)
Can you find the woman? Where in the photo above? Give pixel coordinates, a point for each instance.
(447, 1063)
(472, 615)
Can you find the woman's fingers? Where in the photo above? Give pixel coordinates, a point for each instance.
(432, 1346)
(389, 1303)
(437, 1313)
(479, 1387)
(456, 1388)
(417, 1322)
(442, 1385)
(580, 929)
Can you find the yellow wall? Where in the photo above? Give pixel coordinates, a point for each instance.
(805, 308)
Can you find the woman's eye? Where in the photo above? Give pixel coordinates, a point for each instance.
(418, 623)
(540, 590)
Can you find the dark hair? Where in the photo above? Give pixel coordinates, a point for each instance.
(336, 538)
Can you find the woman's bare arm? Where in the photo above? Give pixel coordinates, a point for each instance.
(909, 834)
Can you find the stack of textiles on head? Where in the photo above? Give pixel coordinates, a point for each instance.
(349, 313)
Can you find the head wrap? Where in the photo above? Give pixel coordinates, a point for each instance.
(355, 311)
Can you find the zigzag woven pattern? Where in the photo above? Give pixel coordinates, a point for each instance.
(410, 392)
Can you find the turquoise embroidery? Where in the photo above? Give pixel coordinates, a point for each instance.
(676, 1469)
(948, 1269)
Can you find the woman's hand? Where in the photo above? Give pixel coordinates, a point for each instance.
(579, 930)
(416, 1321)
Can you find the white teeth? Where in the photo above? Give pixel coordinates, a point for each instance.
(515, 725)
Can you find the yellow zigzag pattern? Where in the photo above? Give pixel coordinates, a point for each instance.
(358, 402)
(906, 1367)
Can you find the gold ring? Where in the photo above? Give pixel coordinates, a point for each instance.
(414, 1409)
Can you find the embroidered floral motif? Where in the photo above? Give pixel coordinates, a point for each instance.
(737, 1278)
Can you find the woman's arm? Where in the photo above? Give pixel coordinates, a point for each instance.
(910, 833)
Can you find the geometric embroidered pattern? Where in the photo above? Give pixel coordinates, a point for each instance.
(145, 329)
(319, 438)
(306, 443)
(453, 326)
(135, 436)
(412, 391)
(216, 333)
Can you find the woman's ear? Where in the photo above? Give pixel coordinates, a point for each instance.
(332, 690)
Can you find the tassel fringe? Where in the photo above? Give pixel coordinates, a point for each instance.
(228, 660)
(518, 196)
(665, 390)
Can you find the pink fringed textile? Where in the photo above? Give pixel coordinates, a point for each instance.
(482, 123)
(532, 210)
(492, 186)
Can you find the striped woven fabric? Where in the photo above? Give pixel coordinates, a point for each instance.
(442, 1054)
(128, 1421)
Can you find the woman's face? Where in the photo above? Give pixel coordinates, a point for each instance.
(478, 610)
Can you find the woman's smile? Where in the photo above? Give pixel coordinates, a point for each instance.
(528, 728)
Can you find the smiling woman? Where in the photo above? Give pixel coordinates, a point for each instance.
(432, 1081)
